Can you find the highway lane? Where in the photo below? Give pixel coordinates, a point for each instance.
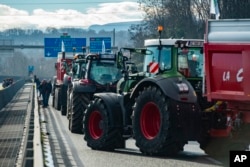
(70, 149)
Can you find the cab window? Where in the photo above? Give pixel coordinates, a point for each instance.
(190, 62)
(162, 56)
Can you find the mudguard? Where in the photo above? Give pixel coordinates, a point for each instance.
(177, 88)
(81, 88)
(66, 79)
(112, 102)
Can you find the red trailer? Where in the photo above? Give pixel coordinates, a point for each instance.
(227, 83)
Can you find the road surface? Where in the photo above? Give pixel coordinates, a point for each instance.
(69, 149)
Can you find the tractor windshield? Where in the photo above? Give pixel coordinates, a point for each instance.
(104, 72)
(160, 59)
(190, 62)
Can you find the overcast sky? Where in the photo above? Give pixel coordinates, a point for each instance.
(66, 13)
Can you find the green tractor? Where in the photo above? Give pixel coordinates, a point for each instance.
(157, 106)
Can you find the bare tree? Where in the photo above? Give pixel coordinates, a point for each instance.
(234, 9)
(179, 18)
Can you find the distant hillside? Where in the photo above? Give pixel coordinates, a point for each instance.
(119, 26)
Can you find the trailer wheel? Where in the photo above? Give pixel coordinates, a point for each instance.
(99, 133)
(152, 124)
(79, 104)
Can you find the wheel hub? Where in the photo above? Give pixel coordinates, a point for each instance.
(150, 121)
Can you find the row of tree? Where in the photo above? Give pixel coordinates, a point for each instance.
(183, 18)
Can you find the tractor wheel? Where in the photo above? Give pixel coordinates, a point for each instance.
(69, 102)
(79, 104)
(64, 100)
(53, 101)
(57, 99)
(152, 124)
(100, 134)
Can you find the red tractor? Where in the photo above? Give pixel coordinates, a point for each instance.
(61, 81)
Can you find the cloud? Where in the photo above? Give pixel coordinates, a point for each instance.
(41, 19)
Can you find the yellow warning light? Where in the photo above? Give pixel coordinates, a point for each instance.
(160, 28)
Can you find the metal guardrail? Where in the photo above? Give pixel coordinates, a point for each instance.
(11, 47)
(9, 92)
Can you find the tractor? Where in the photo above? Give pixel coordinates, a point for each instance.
(189, 89)
(91, 73)
(156, 106)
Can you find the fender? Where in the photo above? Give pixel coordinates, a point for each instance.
(112, 102)
(66, 79)
(170, 86)
(86, 88)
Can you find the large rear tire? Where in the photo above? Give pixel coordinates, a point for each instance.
(69, 102)
(64, 100)
(152, 124)
(57, 99)
(79, 104)
(100, 134)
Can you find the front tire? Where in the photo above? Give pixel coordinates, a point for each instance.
(64, 100)
(99, 133)
(152, 124)
(69, 102)
(57, 99)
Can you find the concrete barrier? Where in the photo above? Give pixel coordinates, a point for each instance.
(9, 92)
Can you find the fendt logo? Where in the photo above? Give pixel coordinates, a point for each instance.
(239, 158)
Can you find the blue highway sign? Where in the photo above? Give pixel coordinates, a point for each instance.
(30, 68)
(99, 44)
(54, 45)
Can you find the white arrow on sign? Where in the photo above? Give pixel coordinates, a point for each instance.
(48, 54)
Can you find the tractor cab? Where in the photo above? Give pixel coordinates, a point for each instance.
(174, 56)
(98, 71)
(102, 69)
(132, 72)
(190, 58)
(181, 58)
(79, 64)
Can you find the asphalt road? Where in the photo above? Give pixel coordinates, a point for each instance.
(69, 149)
